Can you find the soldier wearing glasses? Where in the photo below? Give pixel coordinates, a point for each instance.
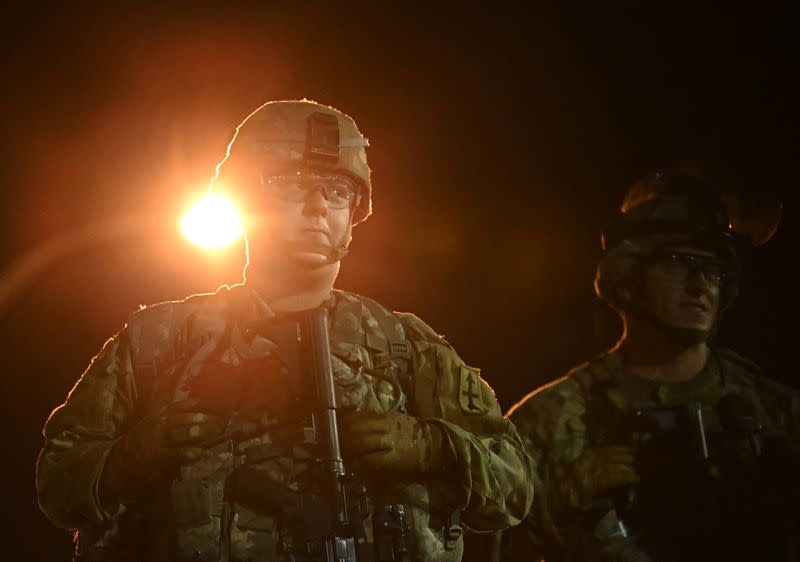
(666, 447)
(184, 439)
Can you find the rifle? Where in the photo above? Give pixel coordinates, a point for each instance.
(331, 535)
(729, 494)
(326, 521)
(319, 520)
(672, 457)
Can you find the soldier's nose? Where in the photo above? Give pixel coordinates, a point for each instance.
(315, 203)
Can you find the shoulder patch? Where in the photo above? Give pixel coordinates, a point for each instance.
(470, 395)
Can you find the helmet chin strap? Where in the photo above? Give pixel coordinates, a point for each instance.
(343, 247)
(338, 252)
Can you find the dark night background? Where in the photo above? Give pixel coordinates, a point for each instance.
(502, 139)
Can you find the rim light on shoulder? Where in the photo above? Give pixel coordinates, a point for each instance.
(212, 222)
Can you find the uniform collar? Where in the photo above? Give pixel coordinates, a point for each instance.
(638, 391)
(251, 311)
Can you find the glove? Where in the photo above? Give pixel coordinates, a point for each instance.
(392, 441)
(155, 445)
(597, 471)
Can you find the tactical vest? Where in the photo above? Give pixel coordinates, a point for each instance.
(194, 518)
(607, 537)
(736, 375)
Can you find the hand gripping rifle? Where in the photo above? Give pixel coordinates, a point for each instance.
(318, 520)
(332, 513)
(326, 521)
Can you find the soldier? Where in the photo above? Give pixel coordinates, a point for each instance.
(181, 440)
(665, 447)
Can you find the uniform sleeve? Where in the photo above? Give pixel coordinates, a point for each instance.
(492, 483)
(552, 426)
(79, 435)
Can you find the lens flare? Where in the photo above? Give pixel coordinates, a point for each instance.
(212, 223)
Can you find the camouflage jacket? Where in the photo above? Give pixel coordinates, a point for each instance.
(192, 517)
(601, 404)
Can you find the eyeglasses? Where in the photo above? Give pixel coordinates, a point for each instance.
(681, 266)
(339, 191)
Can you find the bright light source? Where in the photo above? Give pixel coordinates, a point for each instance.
(212, 223)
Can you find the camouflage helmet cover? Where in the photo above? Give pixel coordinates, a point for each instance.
(303, 132)
(667, 208)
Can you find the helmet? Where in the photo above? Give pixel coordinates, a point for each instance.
(306, 133)
(667, 208)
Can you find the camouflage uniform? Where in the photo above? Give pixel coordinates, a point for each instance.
(631, 469)
(589, 407)
(196, 516)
